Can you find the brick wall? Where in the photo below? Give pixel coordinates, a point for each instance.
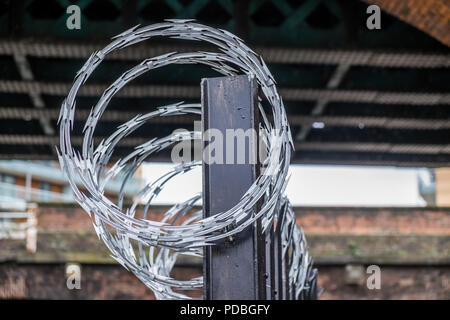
(359, 220)
(397, 283)
(47, 281)
(369, 221)
(411, 246)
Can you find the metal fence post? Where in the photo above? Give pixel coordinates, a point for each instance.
(234, 268)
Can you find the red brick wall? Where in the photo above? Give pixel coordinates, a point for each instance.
(63, 217)
(374, 220)
(48, 281)
(312, 220)
(114, 282)
(397, 283)
(338, 237)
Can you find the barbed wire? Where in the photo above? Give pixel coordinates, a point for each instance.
(150, 248)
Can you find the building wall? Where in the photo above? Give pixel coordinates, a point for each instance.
(314, 220)
(410, 245)
(56, 188)
(442, 186)
(397, 283)
(21, 181)
(48, 281)
(44, 181)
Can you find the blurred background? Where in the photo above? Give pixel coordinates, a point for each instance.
(368, 108)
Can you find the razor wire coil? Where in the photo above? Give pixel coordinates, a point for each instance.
(150, 248)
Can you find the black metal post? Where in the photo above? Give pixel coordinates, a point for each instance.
(270, 263)
(280, 265)
(233, 268)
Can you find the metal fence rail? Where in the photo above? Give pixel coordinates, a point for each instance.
(12, 192)
(20, 225)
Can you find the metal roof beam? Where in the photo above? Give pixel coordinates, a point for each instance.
(174, 91)
(28, 114)
(20, 139)
(27, 75)
(334, 82)
(82, 50)
(374, 147)
(300, 158)
(305, 146)
(366, 159)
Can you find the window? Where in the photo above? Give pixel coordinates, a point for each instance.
(45, 188)
(7, 185)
